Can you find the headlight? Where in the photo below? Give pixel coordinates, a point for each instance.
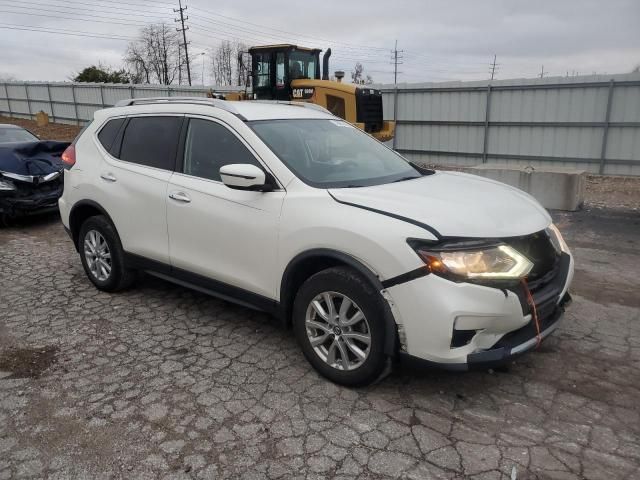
(499, 262)
(6, 186)
(556, 238)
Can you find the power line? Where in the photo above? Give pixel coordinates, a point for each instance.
(76, 16)
(365, 47)
(270, 35)
(72, 10)
(48, 15)
(75, 33)
(184, 37)
(65, 4)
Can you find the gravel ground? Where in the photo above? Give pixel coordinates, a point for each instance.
(164, 382)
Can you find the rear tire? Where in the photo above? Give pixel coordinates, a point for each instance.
(338, 320)
(102, 255)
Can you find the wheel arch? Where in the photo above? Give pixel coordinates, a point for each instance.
(82, 210)
(310, 262)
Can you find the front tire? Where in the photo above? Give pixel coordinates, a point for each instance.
(338, 320)
(102, 255)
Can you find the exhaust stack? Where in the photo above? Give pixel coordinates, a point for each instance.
(325, 64)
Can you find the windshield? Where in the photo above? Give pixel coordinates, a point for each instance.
(332, 153)
(15, 135)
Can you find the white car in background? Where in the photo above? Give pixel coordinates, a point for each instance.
(288, 209)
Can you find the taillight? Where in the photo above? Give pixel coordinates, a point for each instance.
(69, 157)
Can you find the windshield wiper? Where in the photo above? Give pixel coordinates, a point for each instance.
(403, 179)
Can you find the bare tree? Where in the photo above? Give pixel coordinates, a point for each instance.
(358, 75)
(229, 63)
(357, 72)
(155, 56)
(636, 70)
(222, 63)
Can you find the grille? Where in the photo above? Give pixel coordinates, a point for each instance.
(540, 250)
(546, 279)
(25, 189)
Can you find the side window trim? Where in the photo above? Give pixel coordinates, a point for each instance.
(117, 142)
(182, 146)
(117, 139)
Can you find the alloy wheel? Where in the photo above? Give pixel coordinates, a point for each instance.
(97, 255)
(338, 331)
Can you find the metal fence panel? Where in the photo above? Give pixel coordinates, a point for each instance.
(625, 104)
(592, 122)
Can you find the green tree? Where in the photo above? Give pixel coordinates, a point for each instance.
(101, 74)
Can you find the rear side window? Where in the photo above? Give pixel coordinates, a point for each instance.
(151, 141)
(108, 133)
(210, 146)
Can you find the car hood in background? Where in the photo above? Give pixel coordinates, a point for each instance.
(30, 160)
(454, 205)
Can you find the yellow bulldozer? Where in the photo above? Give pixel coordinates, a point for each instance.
(289, 72)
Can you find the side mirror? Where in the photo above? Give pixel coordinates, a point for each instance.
(244, 176)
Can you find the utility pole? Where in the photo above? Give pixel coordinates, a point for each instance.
(179, 66)
(184, 29)
(202, 55)
(542, 72)
(493, 66)
(397, 60)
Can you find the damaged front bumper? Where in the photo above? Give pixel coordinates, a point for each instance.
(31, 177)
(463, 326)
(21, 196)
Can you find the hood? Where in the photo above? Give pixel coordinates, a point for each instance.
(29, 160)
(454, 204)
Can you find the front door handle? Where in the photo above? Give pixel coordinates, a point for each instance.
(108, 176)
(180, 197)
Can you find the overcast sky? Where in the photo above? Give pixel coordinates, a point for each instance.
(441, 40)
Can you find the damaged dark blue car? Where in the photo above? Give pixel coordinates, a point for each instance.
(31, 173)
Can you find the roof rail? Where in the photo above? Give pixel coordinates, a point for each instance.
(312, 106)
(214, 102)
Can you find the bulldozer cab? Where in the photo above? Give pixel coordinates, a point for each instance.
(273, 67)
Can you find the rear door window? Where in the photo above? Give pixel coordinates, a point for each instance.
(151, 141)
(108, 133)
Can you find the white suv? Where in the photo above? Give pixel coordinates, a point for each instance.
(285, 208)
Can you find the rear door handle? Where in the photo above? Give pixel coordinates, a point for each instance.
(108, 176)
(180, 197)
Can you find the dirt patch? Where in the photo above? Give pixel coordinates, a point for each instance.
(53, 131)
(596, 289)
(611, 191)
(27, 362)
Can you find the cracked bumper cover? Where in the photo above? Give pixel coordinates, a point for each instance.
(430, 308)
